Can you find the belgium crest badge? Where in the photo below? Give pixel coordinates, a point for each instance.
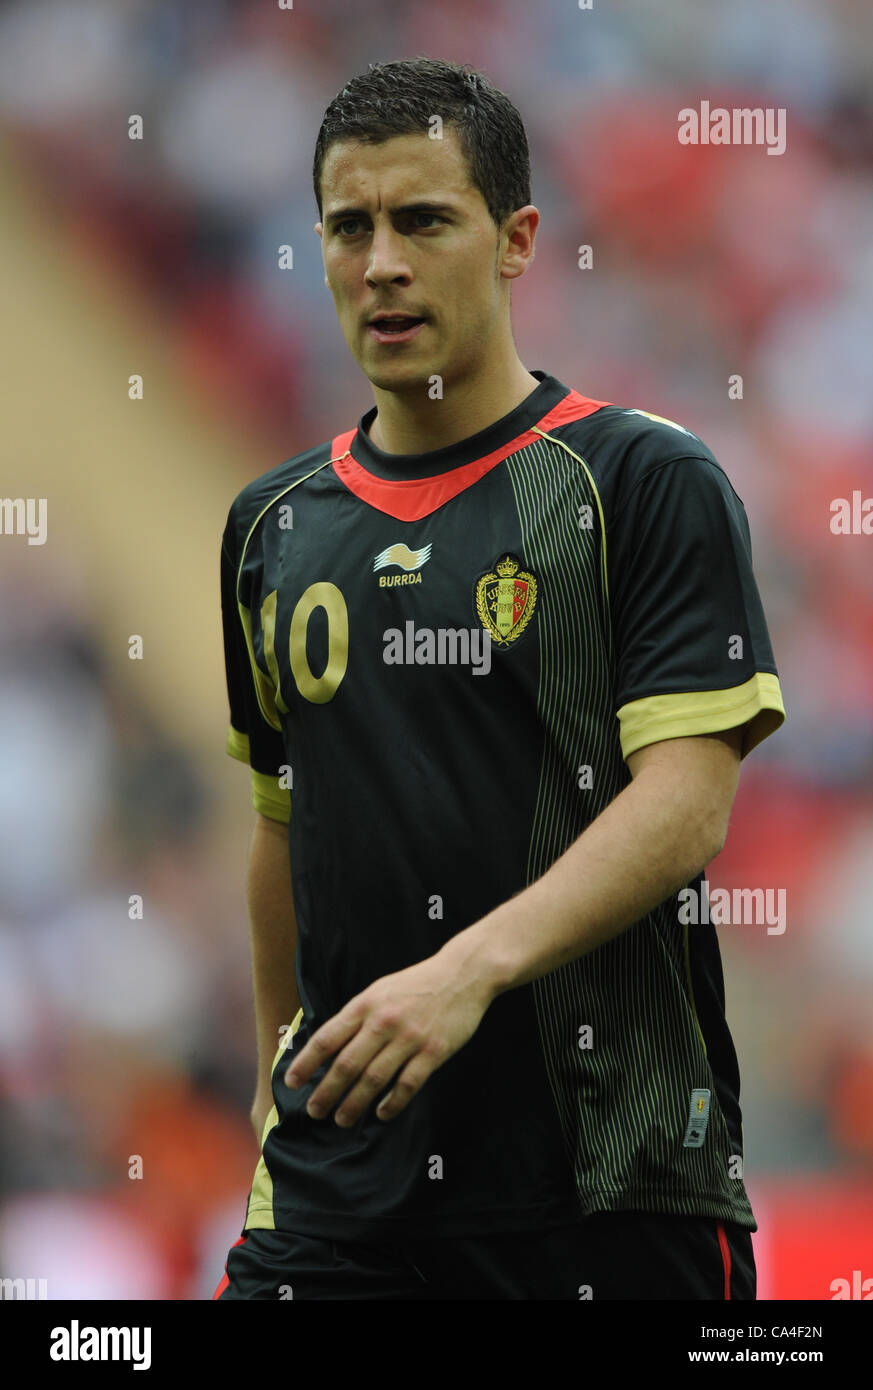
(505, 600)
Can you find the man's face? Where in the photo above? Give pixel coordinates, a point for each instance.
(405, 232)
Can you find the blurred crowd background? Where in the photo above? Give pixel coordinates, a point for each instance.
(122, 1036)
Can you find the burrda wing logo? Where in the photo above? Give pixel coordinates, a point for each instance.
(400, 554)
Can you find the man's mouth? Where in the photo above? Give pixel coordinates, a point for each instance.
(396, 327)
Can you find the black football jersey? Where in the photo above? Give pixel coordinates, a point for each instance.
(437, 666)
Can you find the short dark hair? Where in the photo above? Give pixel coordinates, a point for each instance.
(401, 98)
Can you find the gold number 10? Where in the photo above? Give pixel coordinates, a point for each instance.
(317, 689)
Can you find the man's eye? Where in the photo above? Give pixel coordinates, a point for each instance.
(350, 226)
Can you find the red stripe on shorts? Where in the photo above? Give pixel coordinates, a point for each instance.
(225, 1280)
(725, 1259)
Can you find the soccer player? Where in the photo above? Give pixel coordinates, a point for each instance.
(494, 656)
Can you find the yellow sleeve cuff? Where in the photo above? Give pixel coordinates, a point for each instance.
(757, 704)
(268, 796)
(237, 744)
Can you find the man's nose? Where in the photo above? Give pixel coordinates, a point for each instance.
(388, 259)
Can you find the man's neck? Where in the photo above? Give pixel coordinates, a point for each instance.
(412, 423)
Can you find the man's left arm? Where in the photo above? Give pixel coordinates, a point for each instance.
(652, 839)
(666, 825)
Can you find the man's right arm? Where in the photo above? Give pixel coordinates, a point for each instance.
(273, 943)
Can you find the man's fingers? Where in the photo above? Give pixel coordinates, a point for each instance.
(407, 1085)
(367, 1070)
(321, 1045)
(380, 1074)
(377, 1040)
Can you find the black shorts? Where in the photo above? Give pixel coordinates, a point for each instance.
(611, 1255)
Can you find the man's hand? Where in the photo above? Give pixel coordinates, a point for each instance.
(399, 1029)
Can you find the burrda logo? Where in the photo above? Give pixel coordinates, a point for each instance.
(410, 561)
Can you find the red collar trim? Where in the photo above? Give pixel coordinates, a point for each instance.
(410, 499)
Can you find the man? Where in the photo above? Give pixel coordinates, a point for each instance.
(493, 658)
